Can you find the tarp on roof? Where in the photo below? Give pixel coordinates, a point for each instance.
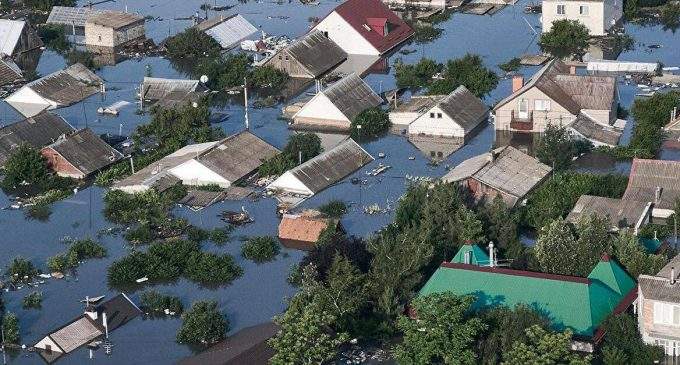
(228, 31)
(10, 32)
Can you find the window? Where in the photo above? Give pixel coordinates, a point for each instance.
(542, 105)
(666, 314)
(439, 115)
(432, 115)
(583, 9)
(432, 154)
(560, 9)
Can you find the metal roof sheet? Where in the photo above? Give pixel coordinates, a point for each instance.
(37, 131)
(10, 32)
(78, 333)
(316, 53)
(67, 15)
(67, 86)
(86, 151)
(619, 212)
(228, 31)
(9, 72)
(351, 95)
(155, 88)
(464, 108)
(648, 175)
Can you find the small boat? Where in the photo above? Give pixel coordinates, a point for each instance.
(411, 158)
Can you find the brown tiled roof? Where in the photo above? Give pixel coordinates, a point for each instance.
(86, 151)
(303, 227)
(648, 175)
(316, 53)
(37, 131)
(617, 211)
(114, 19)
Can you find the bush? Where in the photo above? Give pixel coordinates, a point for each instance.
(268, 77)
(155, 303)
(141, 235)
(334, 208)
(192, 43)
(373, 122)
(511, 66)
(622, 337)
(46, 5)
(468, 71)
(567, 38)
(78, 251)
(27, 166)
(21, 270)
(127, 270)
(210, 269)
(197, 234)
(32, 301)
(305, 145)
(260, 249)
(418, 75)
(227, 72)
(221, 235)
(203, 324)
(426, 33)
(10, 328)
(54, 37)
(558, 147)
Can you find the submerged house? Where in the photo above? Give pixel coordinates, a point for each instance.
(556, 95)
(228, 31)
(620, 213)
(302, 231)
(308, 57)
(658, 308)
(93, 325)
(169, 93)
(72, 17)
(321, 171)
(598, 16)
(110, 30)
(37, 131)
(79, 154)
(59, 89)
(570, 302)
(17, 37)
(334, 108)
(506, 172)
(221, 163)
(10, 72)
(655, 181)
(365, 27)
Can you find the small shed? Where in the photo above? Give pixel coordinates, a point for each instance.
(309, 57)
(80, 154)
(457, 115)
(506, 172)
(620, 213)
(228, 31)
(37, 131)
(113, 29)
(322, 171)
(597, 133)
(59, 89)
(334, 108)
(302, 231)
(17, 36)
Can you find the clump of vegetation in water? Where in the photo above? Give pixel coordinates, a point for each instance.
(370, 123)
(260, 249)
(513, 65)
(10, 328)
(416, 75)
(334, 208)
(155, 303)
(28, 167)
(426, 33)
(304, 146)
(54, 37)
(192, 43)
(230, 71)
(32, 301)
(85, 58)
(78, 251)
(203, 325)
(21, 271)
(221, 235)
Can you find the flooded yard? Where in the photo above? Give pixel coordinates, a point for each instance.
(260, 293)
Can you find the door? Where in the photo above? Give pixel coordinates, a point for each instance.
(523, 109)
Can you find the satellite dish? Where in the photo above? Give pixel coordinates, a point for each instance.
(204, 79)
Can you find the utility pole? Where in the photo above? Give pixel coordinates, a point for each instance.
(4, 356)
(245, 94)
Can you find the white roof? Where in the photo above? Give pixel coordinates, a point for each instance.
(231, 31)
(10, 32)
(67, 15)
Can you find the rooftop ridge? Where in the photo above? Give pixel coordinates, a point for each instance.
(504, 271)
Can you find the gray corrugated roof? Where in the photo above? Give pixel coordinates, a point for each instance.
(316, 52)
(621, 213)
(332, 166)
(155, 88)
(78, 333)
(352, 95)
(660, 288)
(67, 86)
(86, 151)
(10, 32)
(237, 156)
(9, 72)
(66, 15)
(647, 175)
(464, 108)
(418, 104)
(228, 31)
(595, 131)
(37, 131)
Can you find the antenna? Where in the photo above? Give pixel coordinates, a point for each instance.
(245, 94)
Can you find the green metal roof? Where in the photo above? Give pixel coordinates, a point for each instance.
(477, 255)
(579, 304)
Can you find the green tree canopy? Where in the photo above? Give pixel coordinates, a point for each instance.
(544, 347)
(468, 71)
(567, 38)
(373, 122)
(632, 255)
(203, 324)
(557, 147)
(192, 43)
(26, 164)
(622, 343)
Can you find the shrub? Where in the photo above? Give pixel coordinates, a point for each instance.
(203, 324)
(334, 208)
(54, 36)
(426, 33)
(260, 249)
(10, 328)
(373, 122)
(78, 251)
(565, 39)
(127, 270)
(468, 71)
(210, 269)
(26, 165)
(155, 303)
(32, 301)
(268, 77)
(83, 57)
(140, 235)
(221, 235)
(513, 65)
(197, 234)
(417, 75)
(192, 43)
(21, 270)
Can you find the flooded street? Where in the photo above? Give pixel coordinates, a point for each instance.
(260, 293)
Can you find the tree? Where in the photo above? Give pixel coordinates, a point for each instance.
(470, 227)
(505, 327)
(10, 327)
(417, 75)
(567, 38)
(650, 114)
(544, 347)
(593, 241)
(334, 208)
(501, 227)
(26, 165)
(260, 249)
(370, 123)
(444, 331)
(468, 71)
(632, 255)
(21, 270)
(192, 43)
(203, 324)
(557, 147)
(555, 249)
(300, 148)
(345, 293)
(622, 343)
(306, 336)
(268, 77)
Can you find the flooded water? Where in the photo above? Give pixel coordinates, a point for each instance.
(260, 293)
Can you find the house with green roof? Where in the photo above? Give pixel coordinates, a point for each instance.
(570, 302)
(471, 254)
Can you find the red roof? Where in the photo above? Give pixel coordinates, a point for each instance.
(370, 17)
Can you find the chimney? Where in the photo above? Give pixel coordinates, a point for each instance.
(672, 275)
(657, 195)
(90, 310)
(492, 254)
(517, 82)
(572, 70)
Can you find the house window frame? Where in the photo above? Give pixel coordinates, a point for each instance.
(542, 105)
(439, 115)
(584, 10)
(561, 9)
(666, 314)
(431, 115)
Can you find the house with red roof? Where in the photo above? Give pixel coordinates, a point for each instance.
(366, 27)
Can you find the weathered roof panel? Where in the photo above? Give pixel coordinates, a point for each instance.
(464, 108)
(9, 72)
(77, 333)
(594, 131)
(37, 131)
(114, 19)
(646, 176)
(316, 52)
(86, 151)
(620, 213)
(155, 88)
(10, 32)
(228, 31)
(352, 95)
(67, 15)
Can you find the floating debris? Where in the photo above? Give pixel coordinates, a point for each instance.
(92, 300)
(114, 108)
(411, 158)
(378, 170)
(236, 218)
(381, 155)
(141, 280)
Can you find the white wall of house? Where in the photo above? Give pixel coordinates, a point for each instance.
(194, 173)
(554, 113)
(47, 344)
(321, 108)
(345, 36)
(403, 119)
(289, 183)
(597, 16)
(659, 324)
(435, 122)
(26, 95)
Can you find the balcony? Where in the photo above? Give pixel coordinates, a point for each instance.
(522, 124)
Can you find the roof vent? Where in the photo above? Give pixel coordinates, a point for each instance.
(657, 195)
(672, 275)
